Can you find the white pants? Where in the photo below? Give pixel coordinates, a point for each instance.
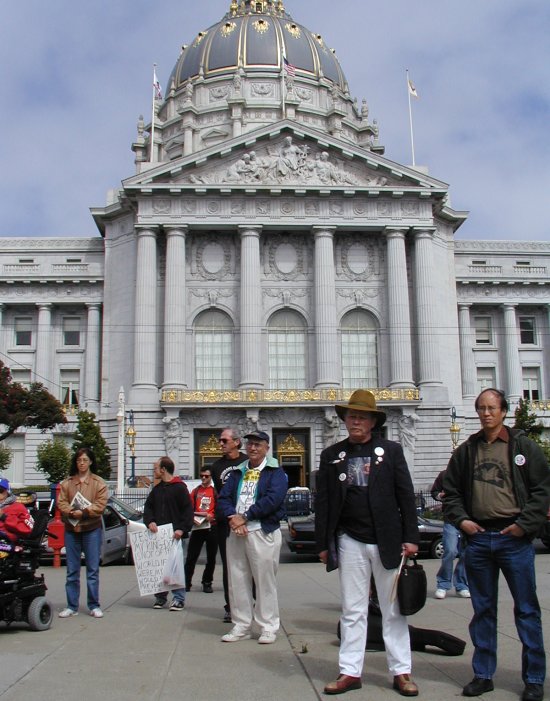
(356, 563)
(254, 557)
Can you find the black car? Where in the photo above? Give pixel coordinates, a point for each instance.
(301, 535)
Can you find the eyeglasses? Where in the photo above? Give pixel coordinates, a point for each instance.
(223, 440)
(205, 477)
(490, 409)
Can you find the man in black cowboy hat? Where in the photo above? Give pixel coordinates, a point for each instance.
(365, 521)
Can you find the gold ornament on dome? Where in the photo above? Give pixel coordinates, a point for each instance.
(228, 28)
(294, 30)
(261, 26)
(200, 37)
(319, 39)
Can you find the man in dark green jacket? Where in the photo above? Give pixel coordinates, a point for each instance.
(497, 492)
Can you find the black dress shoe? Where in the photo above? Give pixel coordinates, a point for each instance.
(533, 692)
(478, 686)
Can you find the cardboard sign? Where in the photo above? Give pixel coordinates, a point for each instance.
(150, 552)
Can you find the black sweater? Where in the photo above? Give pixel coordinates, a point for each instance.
(169, 502)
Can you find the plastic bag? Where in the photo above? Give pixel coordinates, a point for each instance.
(174, 574)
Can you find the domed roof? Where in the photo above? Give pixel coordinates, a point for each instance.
(256, 35)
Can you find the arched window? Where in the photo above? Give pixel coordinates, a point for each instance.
(359, 350)
(213, 350)
(287, 350)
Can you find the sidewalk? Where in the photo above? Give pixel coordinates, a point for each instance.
(136, 652)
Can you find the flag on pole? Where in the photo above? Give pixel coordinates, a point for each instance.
(412, 89)
(289, 68)
(156, 86)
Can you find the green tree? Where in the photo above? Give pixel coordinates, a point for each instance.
(26, 408)
(527, 420)
(54, 459)
(5, 457)
(88, 435)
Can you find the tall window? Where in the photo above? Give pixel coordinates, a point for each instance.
(527, 333)
(70, 387)
(22, 376)
(531, 383)
(483, 330)
(213, 350)
(287, 350)
(71, 331)
(486, 377)
(359, 350)
(23, 331)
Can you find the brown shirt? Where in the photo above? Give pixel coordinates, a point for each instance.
(493, 492)
(95, 491)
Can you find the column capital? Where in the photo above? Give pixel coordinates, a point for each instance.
(93, 305)
(509, 305)
(176, 230)
(44, 305)
(423, 232)
(324, 230)
(254, 230)
(146, 230)
(396, 232)
(464, 305)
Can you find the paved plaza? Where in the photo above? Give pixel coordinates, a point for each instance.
(136, 652)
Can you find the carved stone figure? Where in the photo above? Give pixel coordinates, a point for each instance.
(172, 434)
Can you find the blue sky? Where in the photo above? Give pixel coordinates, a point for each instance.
(76, 76)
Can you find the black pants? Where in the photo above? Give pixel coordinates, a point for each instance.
(196, 541)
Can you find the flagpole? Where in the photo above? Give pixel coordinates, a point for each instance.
(152, 158)
(283, 85)
(410, 117)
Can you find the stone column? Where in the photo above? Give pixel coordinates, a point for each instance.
(326, 336)
(429, 372)
(144, 389)
(251, 308)
(513, 366)
(43, 365)
(3, 344)
(175, 308)
(399, 323)
(467, 361)
(92, 356)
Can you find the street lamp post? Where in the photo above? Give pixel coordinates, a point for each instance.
(454, 429)
(131, 434)
(120, 417)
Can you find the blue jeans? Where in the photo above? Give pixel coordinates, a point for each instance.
(452, 547)
(88, 543)
(487, 554)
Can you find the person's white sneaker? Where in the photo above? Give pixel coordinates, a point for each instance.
(267, 637)
(96, 613)
(464, 593)
(440, 593)
(235, 635)
(67, 612)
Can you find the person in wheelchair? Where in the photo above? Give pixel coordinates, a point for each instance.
(15, 519)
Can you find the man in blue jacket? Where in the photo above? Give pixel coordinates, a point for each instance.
(252, 499)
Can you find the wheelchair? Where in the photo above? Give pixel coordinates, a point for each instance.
(22, 591)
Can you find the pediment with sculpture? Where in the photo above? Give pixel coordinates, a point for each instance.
(289, 162)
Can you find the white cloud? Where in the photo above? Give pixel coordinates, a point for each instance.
(77, 76)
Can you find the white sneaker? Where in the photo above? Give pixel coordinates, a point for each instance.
(464, 593)
(96, 613)
(267, 637)
(67, 612)
(440, 593)
(235, 635)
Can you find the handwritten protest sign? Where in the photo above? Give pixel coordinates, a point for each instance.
(150, 552)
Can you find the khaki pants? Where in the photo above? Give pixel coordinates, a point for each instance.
(254, 557)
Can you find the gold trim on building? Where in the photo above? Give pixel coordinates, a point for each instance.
(289, 396)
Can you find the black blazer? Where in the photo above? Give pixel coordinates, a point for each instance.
(391, 499)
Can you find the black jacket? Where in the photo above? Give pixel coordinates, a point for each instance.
(391, 499)
(169, 502)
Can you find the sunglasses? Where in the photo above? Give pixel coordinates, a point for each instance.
(224, 440)
(204, 477)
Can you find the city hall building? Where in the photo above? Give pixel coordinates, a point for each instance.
(263, 261)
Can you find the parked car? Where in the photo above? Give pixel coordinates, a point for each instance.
(301, 535)
(116, 540)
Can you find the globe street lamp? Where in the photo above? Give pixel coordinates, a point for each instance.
(454, 429)
(131, 434)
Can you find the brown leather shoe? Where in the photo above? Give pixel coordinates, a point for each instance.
(405, 685)
(342, 684)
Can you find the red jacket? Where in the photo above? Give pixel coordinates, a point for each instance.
(15, 521)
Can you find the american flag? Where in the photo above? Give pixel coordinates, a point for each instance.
(289, 68)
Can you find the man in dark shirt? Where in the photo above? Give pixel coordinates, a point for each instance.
(230, 444)
(365, 521)
(497, 491)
